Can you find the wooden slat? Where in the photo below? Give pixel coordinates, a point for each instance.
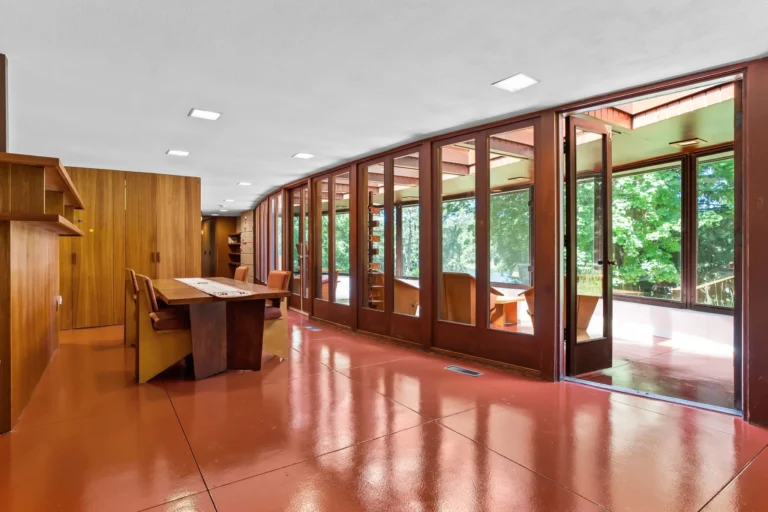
(193, 245)
(171, 226)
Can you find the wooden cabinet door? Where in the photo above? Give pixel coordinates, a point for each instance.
(192, 247)
(171, 226)
(97, 289)
(141, 223)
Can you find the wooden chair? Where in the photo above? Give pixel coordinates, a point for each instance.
(459, 298)
(325, 285)
(406, 297)
(164, 336)
(585, 309)
(241, 273)
(276, 340)
(131, 326)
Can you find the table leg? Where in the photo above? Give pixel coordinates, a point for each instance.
(245, 334)
(208, 325)
(497, 315)
(510, 313)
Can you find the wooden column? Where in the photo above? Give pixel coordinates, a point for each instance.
(3, 103)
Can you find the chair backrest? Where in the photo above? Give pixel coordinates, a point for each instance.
(241, 273)
(406, 297)
(151, 297)
(134, 281)
(529, 300)
(278, 279)
(459, 300)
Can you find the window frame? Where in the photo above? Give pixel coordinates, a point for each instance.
(688, 166)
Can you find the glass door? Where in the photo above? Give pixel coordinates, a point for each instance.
(589, 247)
(390, 227)
(299, 248)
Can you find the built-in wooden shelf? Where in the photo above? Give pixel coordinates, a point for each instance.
(234, 263)
(56, 177)
(48, 221)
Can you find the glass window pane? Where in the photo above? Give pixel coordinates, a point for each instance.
(715, 284)
(297, 246)
(305, 239)
(589, 233)
(323, 292)
(341, 236)
(373, 187)
(458, 251)
(647, 233)
(406, 219)
(280, 232)
(511, 165)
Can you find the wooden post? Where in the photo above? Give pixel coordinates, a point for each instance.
(3, 103)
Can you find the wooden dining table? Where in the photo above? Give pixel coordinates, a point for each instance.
(227, 333)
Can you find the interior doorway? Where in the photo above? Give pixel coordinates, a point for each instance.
(652, 244)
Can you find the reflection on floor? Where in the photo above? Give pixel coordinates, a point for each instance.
(678, 370)
(355, 424)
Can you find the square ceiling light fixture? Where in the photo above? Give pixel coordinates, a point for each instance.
(687, 142)
(245, 183)
(515, 82)
(208, 115)
(304, 156)
(177, 152)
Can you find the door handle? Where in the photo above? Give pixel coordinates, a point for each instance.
(158, 257)
(607, 262)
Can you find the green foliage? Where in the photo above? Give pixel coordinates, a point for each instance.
(510, 237)
(647, 236)
(714, 248)
(342, 242)
(410, 250)
(459, 236)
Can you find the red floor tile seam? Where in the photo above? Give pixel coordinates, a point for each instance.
(734, 477)
(699, 425)
(194, 457)
(315, 457)
(517, 463)
(206, 492)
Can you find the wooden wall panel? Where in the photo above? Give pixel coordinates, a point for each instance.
(5, 325)
(97, 255)
(22, 188)
(171, 226)
(29, 327)
(66, 311)
(140, 222)
(192, 247)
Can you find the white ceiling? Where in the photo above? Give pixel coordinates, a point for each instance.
(109, 83)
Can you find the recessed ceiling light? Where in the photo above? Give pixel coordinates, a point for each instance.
(204, 114)
(214, 215)
(177, 152)
(245, 183)
(223, 210)
(229, 200)
(687, 142)
(304, 156)
(515, 82)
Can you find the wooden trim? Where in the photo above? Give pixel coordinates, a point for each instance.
(50, 222)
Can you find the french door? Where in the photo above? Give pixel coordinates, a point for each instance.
(391, 293)
(589, 247)
(299, 248)
(484, 215)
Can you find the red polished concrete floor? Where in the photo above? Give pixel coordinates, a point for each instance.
(666, 368)
(353, 424)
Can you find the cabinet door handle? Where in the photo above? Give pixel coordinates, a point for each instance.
(158, 257)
